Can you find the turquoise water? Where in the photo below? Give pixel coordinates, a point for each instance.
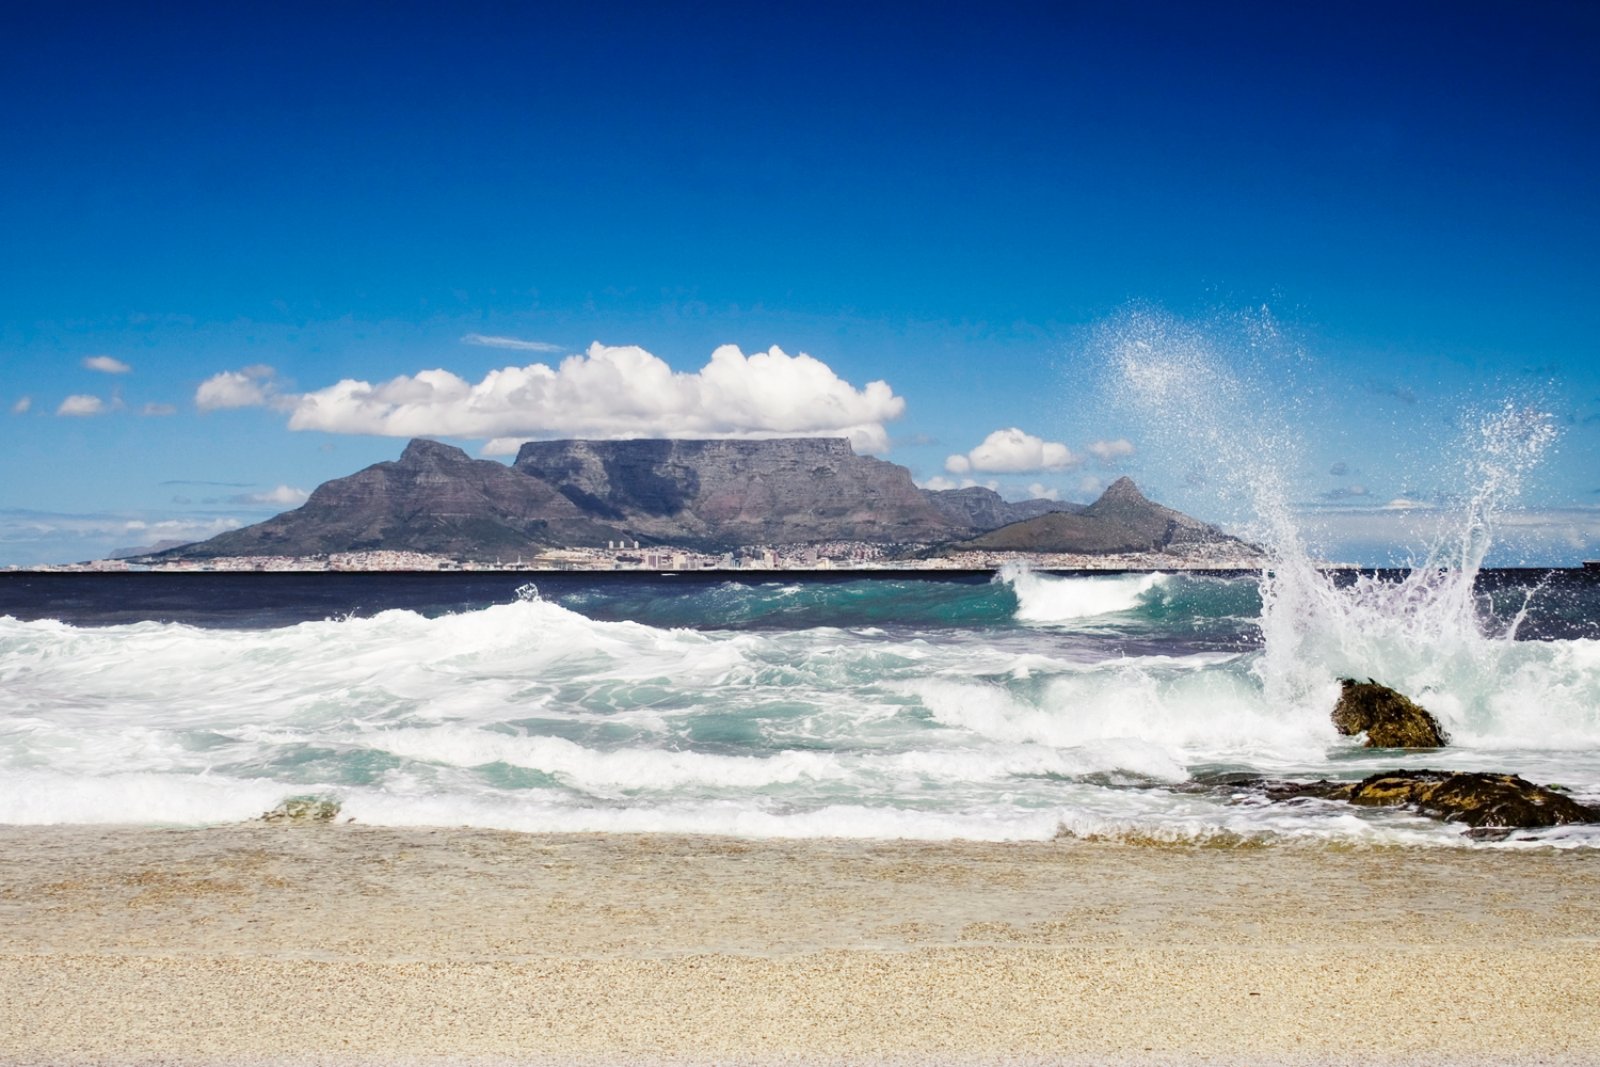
(1020, 707)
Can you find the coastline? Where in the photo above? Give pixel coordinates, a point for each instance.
(349, 944)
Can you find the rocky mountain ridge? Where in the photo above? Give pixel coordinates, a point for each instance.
(1122, 520)
(709, 495)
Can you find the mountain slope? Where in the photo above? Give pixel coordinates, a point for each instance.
(1122, 520)
(434, 499)
(977, 509)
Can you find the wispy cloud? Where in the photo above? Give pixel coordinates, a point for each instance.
(158, 410)
(1403, 530)
(517, 343)
(1345, 492)
(219, 485)
(22, 406)
(81, 405)
(107, 365)
(31, 537)
(1106, 451)
(283, 496)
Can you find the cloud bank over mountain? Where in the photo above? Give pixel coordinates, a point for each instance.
(606, 392)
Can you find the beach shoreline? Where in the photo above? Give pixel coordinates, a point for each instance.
(350, 944)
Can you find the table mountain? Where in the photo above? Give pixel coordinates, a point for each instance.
(708, 495)
(787, 491)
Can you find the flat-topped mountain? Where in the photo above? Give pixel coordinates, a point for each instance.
(725, 493)
(708, 495)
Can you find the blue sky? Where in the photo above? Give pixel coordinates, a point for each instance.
(1377, 222)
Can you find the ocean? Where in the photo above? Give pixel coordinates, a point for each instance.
(1017, 706)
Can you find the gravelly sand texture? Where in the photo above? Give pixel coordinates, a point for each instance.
(353, 945)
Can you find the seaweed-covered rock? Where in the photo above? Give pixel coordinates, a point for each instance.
(1474, 798)
(303, 809)
(1389, 719)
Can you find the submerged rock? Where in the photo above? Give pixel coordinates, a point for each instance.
(303, 809)
(1474, 798)
(1389, 719)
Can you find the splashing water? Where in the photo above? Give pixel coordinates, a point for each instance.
(1206, 393)
(1423, 632)
(1202, 394)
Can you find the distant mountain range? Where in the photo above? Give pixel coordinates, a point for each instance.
(706, 495)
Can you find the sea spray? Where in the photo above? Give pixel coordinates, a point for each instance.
(1230, 397)
(1425, 631)
(1222, 397)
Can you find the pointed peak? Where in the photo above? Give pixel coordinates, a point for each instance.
(1122, 489)
(421, 451)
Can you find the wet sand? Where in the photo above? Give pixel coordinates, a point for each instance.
(361, 945)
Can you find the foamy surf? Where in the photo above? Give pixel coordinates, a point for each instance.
(1045, 599)
(954, 720)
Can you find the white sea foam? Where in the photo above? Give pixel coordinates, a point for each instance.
(1047, 599)
(631, 769)
(47, 796)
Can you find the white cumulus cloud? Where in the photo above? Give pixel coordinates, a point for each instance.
(250, 387)
(1011, 451)
(613, 392)
(1105, 451)
(1040, 491)
(22, 406)
(517, 343)
(80, 405)
(106, 365)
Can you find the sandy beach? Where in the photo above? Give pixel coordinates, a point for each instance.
(348, 944)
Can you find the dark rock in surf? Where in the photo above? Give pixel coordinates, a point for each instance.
(1389, 719)
(1476, 799)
